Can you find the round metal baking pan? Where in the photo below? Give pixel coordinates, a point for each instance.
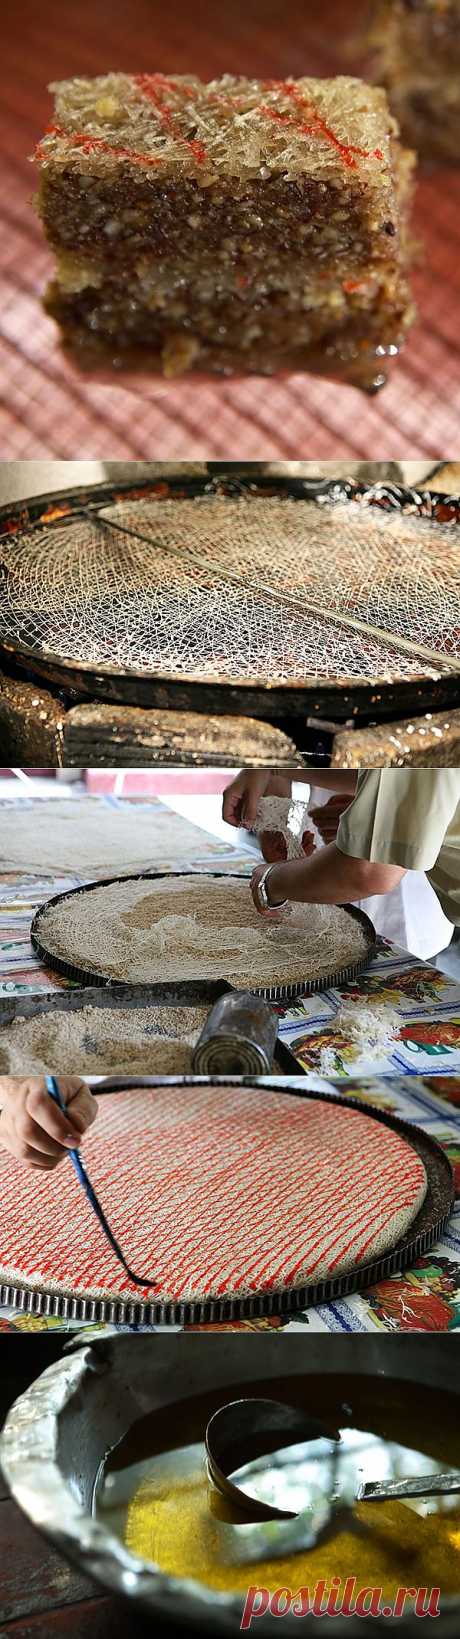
(428, 1227)
(336, 700)
(174, 989)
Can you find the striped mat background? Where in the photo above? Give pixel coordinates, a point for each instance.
(46, 409)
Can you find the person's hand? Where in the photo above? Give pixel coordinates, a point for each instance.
(274, 845)
(275, 913)
(328, 816)
(241, 798)
(34, 1129)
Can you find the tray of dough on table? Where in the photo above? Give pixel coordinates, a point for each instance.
(123, 1029)
(234, 1198)
(395, 1014)
(154, 953)
(167, 931)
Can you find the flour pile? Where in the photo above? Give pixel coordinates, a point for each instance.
(183, 928)
(373, 1030)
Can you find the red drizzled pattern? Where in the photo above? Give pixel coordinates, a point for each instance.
(228, 1191)
(153, 86)
(90, 145)
(314, 124)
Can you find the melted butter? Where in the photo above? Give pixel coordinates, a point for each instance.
(155, 1493)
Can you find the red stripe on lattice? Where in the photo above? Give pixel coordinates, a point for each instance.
(216, 1191)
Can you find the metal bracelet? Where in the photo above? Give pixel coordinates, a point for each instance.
(263, 896)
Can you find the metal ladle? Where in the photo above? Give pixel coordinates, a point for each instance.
(243, 1430)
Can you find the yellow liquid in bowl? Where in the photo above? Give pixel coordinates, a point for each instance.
(156, 1495)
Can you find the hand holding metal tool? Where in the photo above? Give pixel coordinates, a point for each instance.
(52, 1088)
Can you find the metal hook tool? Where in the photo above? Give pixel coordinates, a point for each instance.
(82, 1175)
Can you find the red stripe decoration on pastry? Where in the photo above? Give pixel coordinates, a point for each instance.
(219, 1191)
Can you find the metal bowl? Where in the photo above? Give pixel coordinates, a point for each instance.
(59, 1432)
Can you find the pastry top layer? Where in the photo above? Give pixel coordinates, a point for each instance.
(231, 128)
(206, 927)
(218, 1191)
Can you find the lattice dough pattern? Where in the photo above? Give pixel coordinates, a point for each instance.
(218, 1190)
(261, 588)
(173, 928)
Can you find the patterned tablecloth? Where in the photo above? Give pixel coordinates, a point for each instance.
(427, 1003)
(421, 1003)
(423, 1009)
(22, 894)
